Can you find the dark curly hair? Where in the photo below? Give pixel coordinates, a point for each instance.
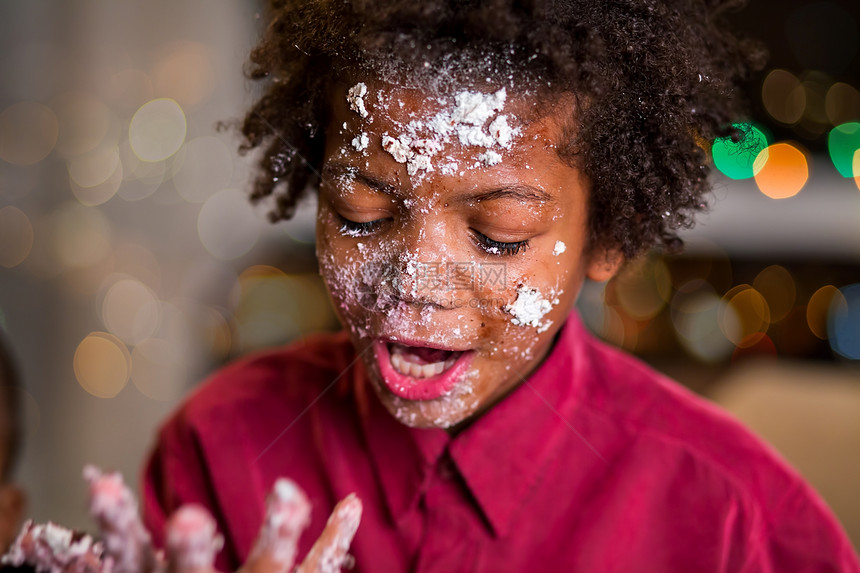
(658, 79)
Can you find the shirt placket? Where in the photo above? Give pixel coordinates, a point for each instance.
(450, 542)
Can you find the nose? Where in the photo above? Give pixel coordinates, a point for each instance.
(424, 267)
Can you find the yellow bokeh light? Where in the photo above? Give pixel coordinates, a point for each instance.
(784, 173)
(130, 310)
(81, 235)
(157, 130)
(84, 123)
(750, 317)
(102, 364)
(186, 74)
(784, 96)
(842, 103)
(102, 192)
(93, 167)
(776, 284)
(16, 236)
(28, 133)
(818, 309)
(855, 165)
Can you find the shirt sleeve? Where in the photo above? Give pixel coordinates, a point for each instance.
(175, 474)
(803, 537)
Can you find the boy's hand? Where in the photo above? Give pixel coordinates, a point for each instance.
(192, 539)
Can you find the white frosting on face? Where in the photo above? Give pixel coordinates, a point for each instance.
(559, 248)
(422, 139)
(355, 97)
(529, 308)
(360, 141)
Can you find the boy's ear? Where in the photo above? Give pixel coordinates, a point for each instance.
(603, 263)
(13, 502)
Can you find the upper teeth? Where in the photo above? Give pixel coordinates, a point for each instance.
(420, 370)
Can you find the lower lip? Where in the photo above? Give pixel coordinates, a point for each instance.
(411, 388)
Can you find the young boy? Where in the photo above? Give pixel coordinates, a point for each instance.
(474, 164)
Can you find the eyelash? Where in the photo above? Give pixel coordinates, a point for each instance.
(499, 248)
(356, 228)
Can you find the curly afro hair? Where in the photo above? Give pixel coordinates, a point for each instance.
(656, 81)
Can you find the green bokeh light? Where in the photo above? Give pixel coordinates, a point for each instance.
(842, 143)
(738, 159)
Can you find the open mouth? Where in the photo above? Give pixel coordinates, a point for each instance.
(421, 361)
(418, 372)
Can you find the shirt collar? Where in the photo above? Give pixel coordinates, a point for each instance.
(500, 456)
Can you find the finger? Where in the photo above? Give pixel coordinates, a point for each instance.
(192, 540)
(113, 506)
(329, 553)
(287, 515)
(51, 547)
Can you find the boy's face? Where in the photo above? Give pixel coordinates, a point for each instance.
(452, 239)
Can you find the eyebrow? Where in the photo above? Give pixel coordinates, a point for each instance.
(520, 192)
(527, 193)
(336, 169)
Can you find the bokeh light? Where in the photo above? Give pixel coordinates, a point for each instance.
(28, 133)
(140, 178)
(784, 173)
(695, 312)
(16, 236)
(740, 159)
(746, 316)
(777, 286)
(84, 123)
(158, 370)
(102, 364)
(842, 103)
(206, 166)
(814, 121)
(843, 326)
(843, 143)
(130, 310)
(755, 346)
(81, 235)
(157, 130)
(93, 167)
(818, 309)
(227, 225)
(186, 73)
(783, 96)
(100, 193)
(644, 288)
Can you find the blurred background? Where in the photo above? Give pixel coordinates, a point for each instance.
(131, 264)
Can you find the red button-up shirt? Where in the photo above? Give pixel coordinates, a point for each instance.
(596, 463)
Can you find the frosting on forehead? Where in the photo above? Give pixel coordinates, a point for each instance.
(472, 119)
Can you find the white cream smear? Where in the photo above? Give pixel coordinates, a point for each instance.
(529, 308)
(421, 140)
(355, 97)
(559, 248)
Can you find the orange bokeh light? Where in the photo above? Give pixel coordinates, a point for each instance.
(785, 172)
